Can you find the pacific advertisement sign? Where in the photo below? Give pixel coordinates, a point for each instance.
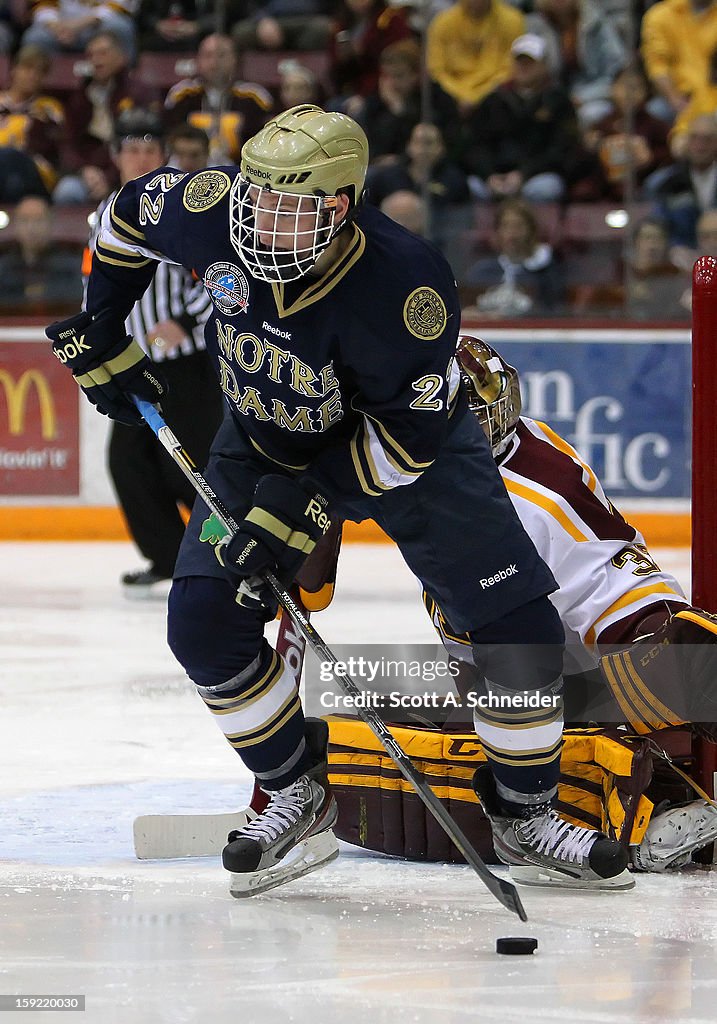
(621, 398)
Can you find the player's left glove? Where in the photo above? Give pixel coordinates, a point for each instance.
(277, 534)
(107, 363)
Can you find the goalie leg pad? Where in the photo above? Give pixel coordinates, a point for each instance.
(670, 678)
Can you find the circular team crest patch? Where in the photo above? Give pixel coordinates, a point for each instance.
(424, 313)
(205, 189)
(228, 288)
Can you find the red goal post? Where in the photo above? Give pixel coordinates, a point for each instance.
(704, 461)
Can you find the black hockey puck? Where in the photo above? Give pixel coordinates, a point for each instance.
(516, 946)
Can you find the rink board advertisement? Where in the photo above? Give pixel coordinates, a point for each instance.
(39, 418)
(621, 398)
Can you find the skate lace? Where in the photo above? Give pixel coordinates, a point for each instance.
(283, 810)
(553, 835)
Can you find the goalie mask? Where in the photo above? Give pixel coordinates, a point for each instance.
(286, 204)
(493, 390)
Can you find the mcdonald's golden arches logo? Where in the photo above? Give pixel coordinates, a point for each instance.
(16, 399)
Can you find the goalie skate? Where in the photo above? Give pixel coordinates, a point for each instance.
(673, 836)
(547, 850)
(292, 836)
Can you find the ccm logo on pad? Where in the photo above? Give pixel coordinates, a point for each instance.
(510, 570)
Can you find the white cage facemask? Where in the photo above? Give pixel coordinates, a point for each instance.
(279, 235)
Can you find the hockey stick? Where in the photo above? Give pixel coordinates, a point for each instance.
(503, 890)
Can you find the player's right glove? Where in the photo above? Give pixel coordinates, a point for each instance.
(107, 363)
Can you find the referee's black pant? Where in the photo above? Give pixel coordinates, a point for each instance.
(148, 484)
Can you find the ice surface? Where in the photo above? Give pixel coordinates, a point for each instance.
(98, 725)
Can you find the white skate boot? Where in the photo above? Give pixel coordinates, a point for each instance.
(674, 834)
(545, 849)
(292, 836)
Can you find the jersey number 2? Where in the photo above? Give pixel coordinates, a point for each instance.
(427, 387)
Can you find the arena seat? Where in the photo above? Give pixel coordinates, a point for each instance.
(65, 71)
(162, 70)
(263, 67)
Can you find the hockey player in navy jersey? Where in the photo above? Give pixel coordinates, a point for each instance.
(333, 333)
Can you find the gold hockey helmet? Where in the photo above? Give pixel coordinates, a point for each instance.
(283, 203)
(493, 390)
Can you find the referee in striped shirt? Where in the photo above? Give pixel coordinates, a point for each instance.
(168, 322)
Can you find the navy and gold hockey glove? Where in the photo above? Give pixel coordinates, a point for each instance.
(107, 363)
(277, 534)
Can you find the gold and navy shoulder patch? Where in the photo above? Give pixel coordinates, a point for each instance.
(205, 189)
(424, 313)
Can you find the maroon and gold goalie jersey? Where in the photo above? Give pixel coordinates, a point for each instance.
(348, 377)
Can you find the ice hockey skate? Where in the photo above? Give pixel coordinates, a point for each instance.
(545, 849)
(292, 836)
(674, 834)
(146, 584)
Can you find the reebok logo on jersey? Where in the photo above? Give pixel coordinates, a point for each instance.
(510, 570)
(286, 335)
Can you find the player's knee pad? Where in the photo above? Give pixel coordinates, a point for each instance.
(210, 635)
(522, 650)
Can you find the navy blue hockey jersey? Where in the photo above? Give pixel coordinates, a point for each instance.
(347, 377)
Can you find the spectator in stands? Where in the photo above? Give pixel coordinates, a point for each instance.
(702, 101)
(285, 25)
(629, 141)
(407, 209)
(168, 322)
(297, 84)
(38, 275)
(423, 169)
(362, 30)
(188, 149)
(89, 172)
(30, 121)
(389, 114)
(588, 49)
(656, 288)
(468, 48)
(679, 38)
(229, 111)
(179, 25)
(523, 138)
(686, 188)
(70, 24)
(523, 277)
(648, 287)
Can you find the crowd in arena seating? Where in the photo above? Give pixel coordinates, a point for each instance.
(513, 133)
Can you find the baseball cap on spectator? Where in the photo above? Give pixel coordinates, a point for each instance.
(529, 45)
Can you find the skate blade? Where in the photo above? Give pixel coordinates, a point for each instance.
(172, 836)
(536, 875)
(151, 592)
(306, 857)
